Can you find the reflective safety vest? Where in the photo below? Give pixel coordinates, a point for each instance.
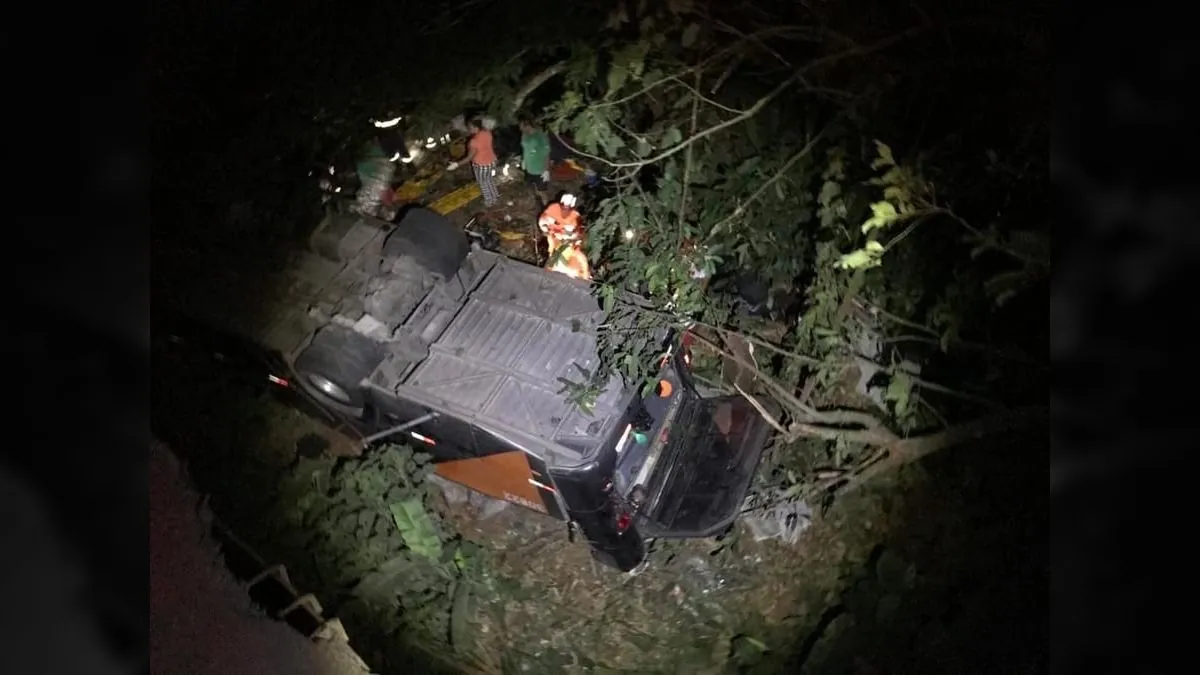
(560, 221)
(562, 229)
(571, 261)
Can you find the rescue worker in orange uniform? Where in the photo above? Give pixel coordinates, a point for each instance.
(560, 222)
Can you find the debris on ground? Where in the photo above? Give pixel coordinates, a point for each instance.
(776, 514)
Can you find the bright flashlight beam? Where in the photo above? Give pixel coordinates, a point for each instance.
(629, 235)
(387, 124)
(395, 157)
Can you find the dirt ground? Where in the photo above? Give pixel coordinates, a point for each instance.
(514, 218)
(681, 614)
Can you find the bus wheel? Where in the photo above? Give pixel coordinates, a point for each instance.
(334, 364)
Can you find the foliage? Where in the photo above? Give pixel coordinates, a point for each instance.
(777, 172)
(366, 527)
(775, 138)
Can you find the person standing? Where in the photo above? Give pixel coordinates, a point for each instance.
(535, 160)
(481, 155)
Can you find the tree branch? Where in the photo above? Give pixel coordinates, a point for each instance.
(909, 450)
(933, 386)
(821, 423)
(762, 189)
(533, 83)
(874, 309)
(687, 167)
(777, 390)
(735, 48)
(733, 65)
(687, 142)
(761, 410)
(696, 93)
(989, 350)
(749, 112)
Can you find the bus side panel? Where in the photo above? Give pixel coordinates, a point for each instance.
(505, 475)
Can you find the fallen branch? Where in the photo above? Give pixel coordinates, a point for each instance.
(909, 450)
(725, 332)
(533, 83)
(777, 390)
(933, 386)
(876, 310)
(877, 435)
(761, 410)
(827, 424)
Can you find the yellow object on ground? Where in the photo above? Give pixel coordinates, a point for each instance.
(455, 200)
(509, 235)
(410, 191)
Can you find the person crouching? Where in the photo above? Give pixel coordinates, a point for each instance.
(560, 222)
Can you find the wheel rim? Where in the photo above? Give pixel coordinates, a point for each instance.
(328, 388)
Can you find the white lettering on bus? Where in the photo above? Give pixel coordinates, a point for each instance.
(508, 496)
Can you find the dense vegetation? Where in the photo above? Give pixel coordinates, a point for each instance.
(883, 165)
(858, 155)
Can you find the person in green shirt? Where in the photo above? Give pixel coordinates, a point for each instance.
(535, 160)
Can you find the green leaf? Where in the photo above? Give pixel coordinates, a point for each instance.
(642, 149)
(864, 258)
(672, 137)
(894, 176)
(748, 165)
(885, 156)
(690, 34)
(899, 392)
(884, 214)
(419, 533)
(611, 142)
(830, 191)
(617, 74)
(609, 296)
(384, 579)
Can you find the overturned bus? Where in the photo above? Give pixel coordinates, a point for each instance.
(404, 331)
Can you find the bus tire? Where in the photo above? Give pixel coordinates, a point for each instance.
(333, 365)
